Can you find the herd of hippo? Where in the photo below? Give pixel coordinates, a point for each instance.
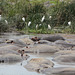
(63, 49)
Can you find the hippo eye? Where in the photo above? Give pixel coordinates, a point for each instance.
(2, 61)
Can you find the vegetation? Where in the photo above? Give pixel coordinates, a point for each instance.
(55, 15)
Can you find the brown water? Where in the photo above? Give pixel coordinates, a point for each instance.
(17, 68)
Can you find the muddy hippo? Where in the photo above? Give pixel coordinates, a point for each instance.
(59, 71)
(10, 58)
(20, 42)
(36, 64)
(9, 47)
(41, 48)
(68, 59)
(53, 38)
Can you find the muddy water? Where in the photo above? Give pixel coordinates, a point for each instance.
(18, 68)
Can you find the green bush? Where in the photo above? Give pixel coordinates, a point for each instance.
(3, 26)
(14, 10)
(62, 13)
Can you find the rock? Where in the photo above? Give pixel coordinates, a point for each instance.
(41, 48)
(36, 64)
(65, 59)
(10, 58)
(59, 71)
(53, 38)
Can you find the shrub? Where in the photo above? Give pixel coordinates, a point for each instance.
(62, 13)
(3, 27)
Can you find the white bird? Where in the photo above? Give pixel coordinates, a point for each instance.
(0, 17)
(29, 23)
(50, 17)
(23, 18)
(36, 26)
(6, 21)
(49, 27)
(61, 0)
(69, 23)
(42, 18)
(39, 24)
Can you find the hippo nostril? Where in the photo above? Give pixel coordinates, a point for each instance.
(2, 61)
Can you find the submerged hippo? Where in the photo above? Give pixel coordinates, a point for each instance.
(59, 71)
(10, 58)
(20, 42)
(36, 64)
(53, 38)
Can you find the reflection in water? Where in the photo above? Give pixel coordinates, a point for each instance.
(15, 70)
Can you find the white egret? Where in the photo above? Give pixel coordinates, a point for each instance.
(43, 18)
(49, 27)
(23, 18)
(69, 23)
(29, 23)
(0, 17)
(36, 26)
(6, 21)
(50, 17)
